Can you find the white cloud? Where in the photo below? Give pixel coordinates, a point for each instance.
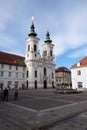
(80, 52)
(73, 31)
(68, 23)
(59, 47)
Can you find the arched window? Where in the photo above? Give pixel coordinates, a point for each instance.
(50, 52)
(35, 47)
(35, 73)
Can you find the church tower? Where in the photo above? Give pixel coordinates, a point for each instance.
(40, 71)
(48, 48)
(32, 56)
(48, 57)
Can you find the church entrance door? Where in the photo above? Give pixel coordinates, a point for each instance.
(35, 84)
(45, 84)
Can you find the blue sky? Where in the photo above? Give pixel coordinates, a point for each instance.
(66, 21)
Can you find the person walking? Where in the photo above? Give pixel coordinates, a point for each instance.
(5, 94)
(16, 94)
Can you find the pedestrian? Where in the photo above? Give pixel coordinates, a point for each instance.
(16, 94)
(5, 94)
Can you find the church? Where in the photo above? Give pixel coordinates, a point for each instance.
(33, 71)
(40, 69)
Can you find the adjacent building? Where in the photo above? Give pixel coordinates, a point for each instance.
(12, 70)
(63, 77)
(79, 74)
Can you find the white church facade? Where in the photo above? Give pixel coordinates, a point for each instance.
(32, 71)
(40, 70)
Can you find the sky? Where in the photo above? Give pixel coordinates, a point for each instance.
(66, 21)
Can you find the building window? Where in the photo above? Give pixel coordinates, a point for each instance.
(16, 74)
(35, 49)
(2, 73)
(78, 72)
(35, 73)
(28, 47)
(45, 71)
(23, 68)
(27, 55)
(56, 80)
(16, 67)
(52, 75)
(2, 66)
(80, 85)
(59, 79)
(9, 74)
(50, 52)
(10, 67)
(27, 74)
(35, 55)
(23, 75)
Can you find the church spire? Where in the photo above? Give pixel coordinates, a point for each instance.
(48, 37)
(32, 31)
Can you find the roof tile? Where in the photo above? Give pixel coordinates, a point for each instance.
(11, 59)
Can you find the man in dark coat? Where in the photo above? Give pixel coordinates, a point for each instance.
(5, 94)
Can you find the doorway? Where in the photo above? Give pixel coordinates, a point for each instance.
(45, 84)
(35, 84)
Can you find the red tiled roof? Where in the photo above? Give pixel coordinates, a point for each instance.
(82, 62)
(62, 69)
(11, 59)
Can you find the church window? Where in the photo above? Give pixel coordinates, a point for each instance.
(45, 71)
(35, 48)
(28, 47)
(45, 52)
(50, 52)
(52, 75)
(35, 55)
(27, 55)
(27, 74)
(35, 73)
(35, 84)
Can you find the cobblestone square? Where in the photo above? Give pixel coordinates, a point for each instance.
(38, 107)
